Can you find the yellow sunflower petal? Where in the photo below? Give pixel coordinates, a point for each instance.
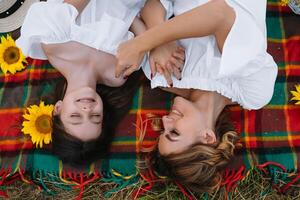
(4, 67)
(297, 88)
(295, 99)
(295, 94)
(27, 116)
(47, 140)
(3, 39)
(10, 39)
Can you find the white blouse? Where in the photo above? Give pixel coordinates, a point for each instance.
(102, 25)
(244, 72)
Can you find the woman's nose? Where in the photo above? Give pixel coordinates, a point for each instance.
(167, 121)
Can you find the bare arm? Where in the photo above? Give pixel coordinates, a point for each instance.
(193, 23)
(153, 13)
(78, 4)
(137, 27)
(168, 58)
(213, 18)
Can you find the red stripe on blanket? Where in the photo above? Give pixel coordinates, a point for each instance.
(294, 50)
(15, 145)
(37, 74)
(10, 121)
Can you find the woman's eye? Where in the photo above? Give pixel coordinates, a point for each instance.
(75, 115)
(174, 133)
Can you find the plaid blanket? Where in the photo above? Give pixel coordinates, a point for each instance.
(270, 136)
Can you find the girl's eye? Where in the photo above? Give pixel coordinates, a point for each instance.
(75, 115)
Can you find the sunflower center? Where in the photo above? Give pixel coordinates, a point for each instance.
(44, 124)
(11, 55)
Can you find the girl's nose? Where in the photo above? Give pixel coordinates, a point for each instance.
(86, 107)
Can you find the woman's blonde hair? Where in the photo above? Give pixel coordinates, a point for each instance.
(199, 168)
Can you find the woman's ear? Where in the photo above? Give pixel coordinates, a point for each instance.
(208, 136)
(57, 107)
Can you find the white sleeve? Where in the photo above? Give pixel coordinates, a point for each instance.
(256, 90)
(169, 7)
(45, 22)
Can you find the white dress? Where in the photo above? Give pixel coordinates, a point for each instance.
(244, 72)
(103, 25)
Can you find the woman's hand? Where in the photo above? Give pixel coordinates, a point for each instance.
(129, 56)
(168, 60)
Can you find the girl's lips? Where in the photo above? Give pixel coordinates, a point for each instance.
(86, 100)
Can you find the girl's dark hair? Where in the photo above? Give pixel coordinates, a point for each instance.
(116, 103)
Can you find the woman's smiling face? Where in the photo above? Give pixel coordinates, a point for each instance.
(183, 127)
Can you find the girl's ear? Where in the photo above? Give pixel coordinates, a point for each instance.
(209, 136)
(57, 107)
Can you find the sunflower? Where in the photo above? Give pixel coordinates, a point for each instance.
(11, 57)
(38, 124)
(296, 94)
(284, 2)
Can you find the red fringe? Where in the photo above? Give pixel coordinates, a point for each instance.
(150, 178)
(187, 195)
(290, 183)
(285, 187)
(83, 179)
(3, 194)
(231, 178)
(148, 187)
(266, 164)
(3, 174)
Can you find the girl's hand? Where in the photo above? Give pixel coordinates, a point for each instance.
(168, 60)
(129, 56)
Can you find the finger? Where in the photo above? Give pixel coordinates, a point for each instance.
(119, 69)
(179, 55)
(152, 67)
(129, 71)
(169, 67)
(181, 51)
(177, 73)
(159, 68)
(180, 48)
(175, 70)
(177, 63)
(167, 76)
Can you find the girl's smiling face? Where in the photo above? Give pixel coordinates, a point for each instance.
(81, 112)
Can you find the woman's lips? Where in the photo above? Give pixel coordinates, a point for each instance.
(176, 112)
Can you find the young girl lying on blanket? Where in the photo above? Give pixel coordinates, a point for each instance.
(225, 63)
(80, 39)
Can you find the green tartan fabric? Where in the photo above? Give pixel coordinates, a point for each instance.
(271, 134)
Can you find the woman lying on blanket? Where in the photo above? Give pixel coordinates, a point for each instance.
(80, 38)
(225, 63)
